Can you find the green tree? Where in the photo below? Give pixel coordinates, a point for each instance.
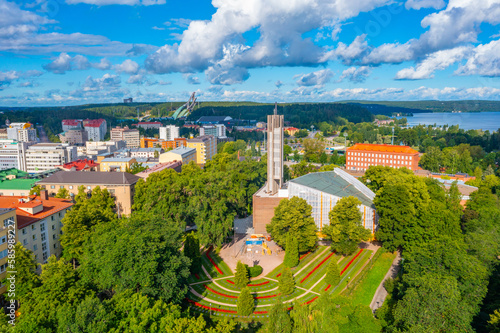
(302, 168)
(136, 168)
(192, 251)
(345, 229)
(245, 304)
(62, 193)
(26, 278)
(241, 276)
(142, 253)
(35, 190)
(432, 160)
(333, 273)
(286, 282)
(293, 216)
(279, 319)
(287, 150)
(292, 252)
(79, 222)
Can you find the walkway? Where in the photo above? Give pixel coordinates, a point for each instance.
(381, 293)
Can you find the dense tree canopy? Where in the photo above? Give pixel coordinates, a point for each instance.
(293, 216)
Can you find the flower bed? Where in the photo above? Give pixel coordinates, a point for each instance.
(350, 262)
(210, 308)
(212, 261)
(268, 296)
(309, 302)
(218, 293)
(304, 255)
(328, 287)
(257, 284)
(318, 266)
(232, 282)
(197, 276)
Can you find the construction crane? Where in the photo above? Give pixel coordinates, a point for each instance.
(186, 109)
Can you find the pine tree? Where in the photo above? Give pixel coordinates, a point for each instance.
(332, 273)
(286, 282)
(245, 302)
(241, 276)
(292, 252)
(279, 318)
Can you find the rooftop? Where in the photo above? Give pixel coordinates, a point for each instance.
(24, 219)
(202, 138)
(213, 119)
(338, 183)
(118, 159)
(382, 148)
(18, 184)
(12, 172)
(79, 165)
(89, 178)
(183, 151)
(71, 122)
(93, 122)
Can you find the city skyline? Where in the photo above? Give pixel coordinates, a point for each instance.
(68, 52)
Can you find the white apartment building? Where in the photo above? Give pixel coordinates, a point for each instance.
(68, 124)
(13, 154)
(169, 133)
(95, 128)
(101, 147)
(22, 132)
(145, 152)
(130, 136)
(45, 156)
(217, 130)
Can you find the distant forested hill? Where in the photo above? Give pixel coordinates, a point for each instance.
(298, 114)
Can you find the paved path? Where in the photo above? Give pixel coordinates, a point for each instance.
(310, 262)
(381, 293)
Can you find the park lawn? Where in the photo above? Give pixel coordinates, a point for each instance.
(310, 257)
(351, 272)
(209, 267)
(214, 254)
(318, 274)
(365, 290)
(298, 277)
(267, 286)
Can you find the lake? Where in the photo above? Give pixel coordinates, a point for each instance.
(466, 120)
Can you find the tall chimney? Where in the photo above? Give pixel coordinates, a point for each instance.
(44, 195)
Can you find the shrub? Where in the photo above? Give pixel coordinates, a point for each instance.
(255, 271)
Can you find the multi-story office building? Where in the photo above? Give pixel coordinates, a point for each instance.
(130, 136)
(38, 223)
(149, 124)
(3, 134)
(181, 154)
(119, 184)
(22, 132)
(13, 154)
(362, 156)
(96, 129)
(47, 156)
(74, 136)
(101, 147)
(218, 130)
(206, 147)
(68, 124)
(169, 133)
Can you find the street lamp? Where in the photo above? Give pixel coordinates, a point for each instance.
(345, 140)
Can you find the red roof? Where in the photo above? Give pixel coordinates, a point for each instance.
(79, 165)
(24, 219)
(70, 122)
(93, 122)
(383, 148)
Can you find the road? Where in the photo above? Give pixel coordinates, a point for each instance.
(381, 293)
(42, 135)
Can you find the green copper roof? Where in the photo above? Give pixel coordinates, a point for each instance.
(336, 183)
(17, 184)
(16, 172)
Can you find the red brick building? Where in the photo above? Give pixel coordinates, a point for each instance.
(362, 156)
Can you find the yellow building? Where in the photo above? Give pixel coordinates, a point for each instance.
(116, 164)
(206, 147)
(182, 154)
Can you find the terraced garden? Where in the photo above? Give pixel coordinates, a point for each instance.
(213, 290)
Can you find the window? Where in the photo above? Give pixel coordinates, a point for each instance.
(53, 227)
(52, 186)
(44, 237)
(59, 214)
(35, 247)
(45, 256)
(34, 237)
(55, 246)
(25, 242)
(33, 227)
(3, 239)
(62, 186)
(24, 231)
(44, 246)
(54, 236)
(52, 218)
(42, 226)
(3, 268)
(71, 187)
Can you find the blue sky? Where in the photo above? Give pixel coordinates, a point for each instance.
(67, 52)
